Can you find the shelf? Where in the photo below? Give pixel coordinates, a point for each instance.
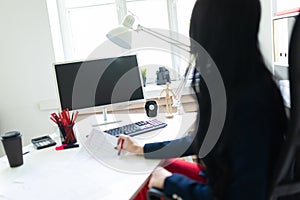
(287, 13)
(279, 64)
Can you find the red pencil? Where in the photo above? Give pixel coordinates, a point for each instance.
(56, 122)
(122, 142)
(75, 117)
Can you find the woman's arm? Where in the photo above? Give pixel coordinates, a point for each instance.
(170, 149)
(186, 188)
(129, 144)
(159, 150)
(179, 185)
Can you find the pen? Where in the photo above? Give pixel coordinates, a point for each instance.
(26, 152)
(122, 142)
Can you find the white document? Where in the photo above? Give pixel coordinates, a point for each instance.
(102, 147)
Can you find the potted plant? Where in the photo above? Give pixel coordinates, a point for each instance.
(144, 74)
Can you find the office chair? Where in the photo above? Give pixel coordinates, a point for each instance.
(157, 194)
(286, 181)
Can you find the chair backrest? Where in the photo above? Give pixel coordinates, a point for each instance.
(289, 157)
(294, 74)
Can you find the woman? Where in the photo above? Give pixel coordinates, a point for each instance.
(240, 164)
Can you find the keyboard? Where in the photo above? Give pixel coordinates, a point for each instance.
(137, 128)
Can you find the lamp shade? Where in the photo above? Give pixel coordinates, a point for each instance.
(121, 36)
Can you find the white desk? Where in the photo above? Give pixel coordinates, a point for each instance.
(76, 174)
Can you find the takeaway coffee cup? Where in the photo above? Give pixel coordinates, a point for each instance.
(12, 143)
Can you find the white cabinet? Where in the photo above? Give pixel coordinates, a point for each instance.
(282, 28)
(283, 19)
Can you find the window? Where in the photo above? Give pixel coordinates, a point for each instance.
(88, 27)
(79, 26)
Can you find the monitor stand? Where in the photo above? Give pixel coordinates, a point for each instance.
(105, 120)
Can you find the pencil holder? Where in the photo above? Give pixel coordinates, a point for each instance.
(65, 122)
(67, 134)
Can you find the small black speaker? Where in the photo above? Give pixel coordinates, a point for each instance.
(151, 108)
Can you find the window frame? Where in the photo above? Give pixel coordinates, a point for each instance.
(64, 48)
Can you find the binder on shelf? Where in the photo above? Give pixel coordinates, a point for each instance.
(282, 28)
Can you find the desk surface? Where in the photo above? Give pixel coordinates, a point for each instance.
(78, 173)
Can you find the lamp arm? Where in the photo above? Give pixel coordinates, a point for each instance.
(128, 22)
(165, 38)
(182, 84)
(179, 90)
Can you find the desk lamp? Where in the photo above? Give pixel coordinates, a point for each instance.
(122, 37)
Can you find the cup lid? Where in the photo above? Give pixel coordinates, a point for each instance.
(10, 134)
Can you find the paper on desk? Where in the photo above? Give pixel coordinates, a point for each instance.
(102, 147)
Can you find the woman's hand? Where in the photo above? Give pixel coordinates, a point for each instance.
(158, 177)
(129, 144)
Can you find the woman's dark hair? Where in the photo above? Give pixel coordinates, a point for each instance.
(228, 31)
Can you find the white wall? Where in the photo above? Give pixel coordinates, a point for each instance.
(26, 78)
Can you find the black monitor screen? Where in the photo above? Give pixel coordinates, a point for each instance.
(101, 82)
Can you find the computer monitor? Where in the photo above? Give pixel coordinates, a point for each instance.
(99, 82)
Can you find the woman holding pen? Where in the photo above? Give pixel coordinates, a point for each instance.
(240, 164)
